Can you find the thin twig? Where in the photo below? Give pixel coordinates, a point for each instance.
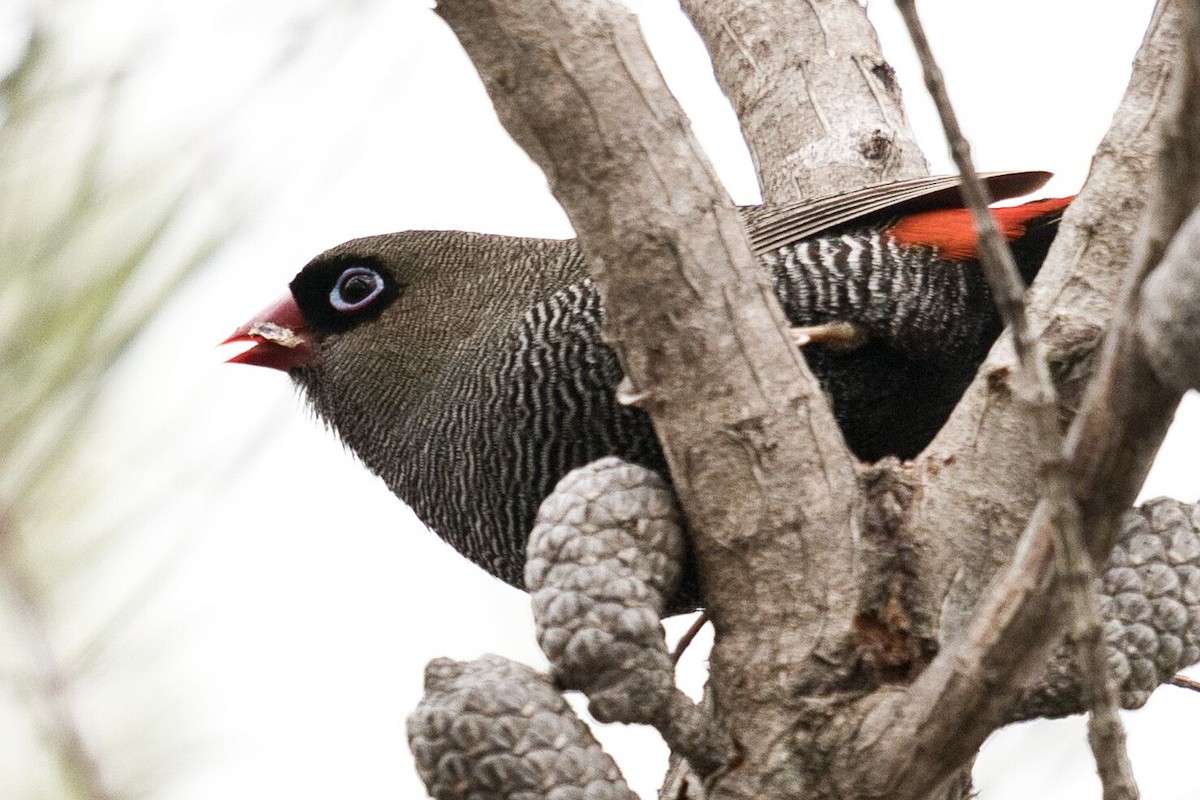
(688, 636)
(970, 687)
(1184, 682)
(1035, 389)
(52, 684)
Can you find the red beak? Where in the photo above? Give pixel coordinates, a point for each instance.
(281, 338)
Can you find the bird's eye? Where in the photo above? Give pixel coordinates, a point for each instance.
(355, 289)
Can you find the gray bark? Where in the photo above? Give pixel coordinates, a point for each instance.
(864, 645)
(818, 104)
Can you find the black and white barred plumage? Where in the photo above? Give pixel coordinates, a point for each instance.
(469, 372)
(486, 380)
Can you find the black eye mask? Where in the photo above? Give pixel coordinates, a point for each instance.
(340, 292)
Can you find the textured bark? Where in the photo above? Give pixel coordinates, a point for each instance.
(969, 688)
(1171, 328)
(1169, 325)
(818, 104)
(745, 416)
(859, 651)
(987, 441)
(987, 444)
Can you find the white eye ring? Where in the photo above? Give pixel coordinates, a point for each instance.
(355, 289)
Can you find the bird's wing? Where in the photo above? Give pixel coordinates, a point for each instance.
(771, 227)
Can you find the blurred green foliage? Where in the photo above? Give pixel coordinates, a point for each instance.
(92, 244)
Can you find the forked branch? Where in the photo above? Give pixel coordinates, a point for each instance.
(966, 691)
(1036, 391)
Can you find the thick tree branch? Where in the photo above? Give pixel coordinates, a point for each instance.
(1169, 324)
(818, 104)
(1033, 388)
(783, 536)
(1127, 410)
(700, 336)
(968, 689)
(987, 444)
(1176, 184)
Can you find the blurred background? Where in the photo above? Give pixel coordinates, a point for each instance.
(201, 594)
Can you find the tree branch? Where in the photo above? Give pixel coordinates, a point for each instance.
(818, 104)
(1169, 324)
(987, 444)
(968, 689)
(1034, 390)
(700, 336)
(780, 528)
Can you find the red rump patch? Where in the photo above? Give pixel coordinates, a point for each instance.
(952, 231)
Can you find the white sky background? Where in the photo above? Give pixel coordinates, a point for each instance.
(301, 613)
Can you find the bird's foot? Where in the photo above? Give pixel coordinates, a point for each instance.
(838, 335)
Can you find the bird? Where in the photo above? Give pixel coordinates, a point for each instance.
(468, 370)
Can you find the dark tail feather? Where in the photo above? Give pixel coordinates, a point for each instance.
(1030, 248)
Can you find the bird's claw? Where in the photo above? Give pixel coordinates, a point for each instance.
(840, 335)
